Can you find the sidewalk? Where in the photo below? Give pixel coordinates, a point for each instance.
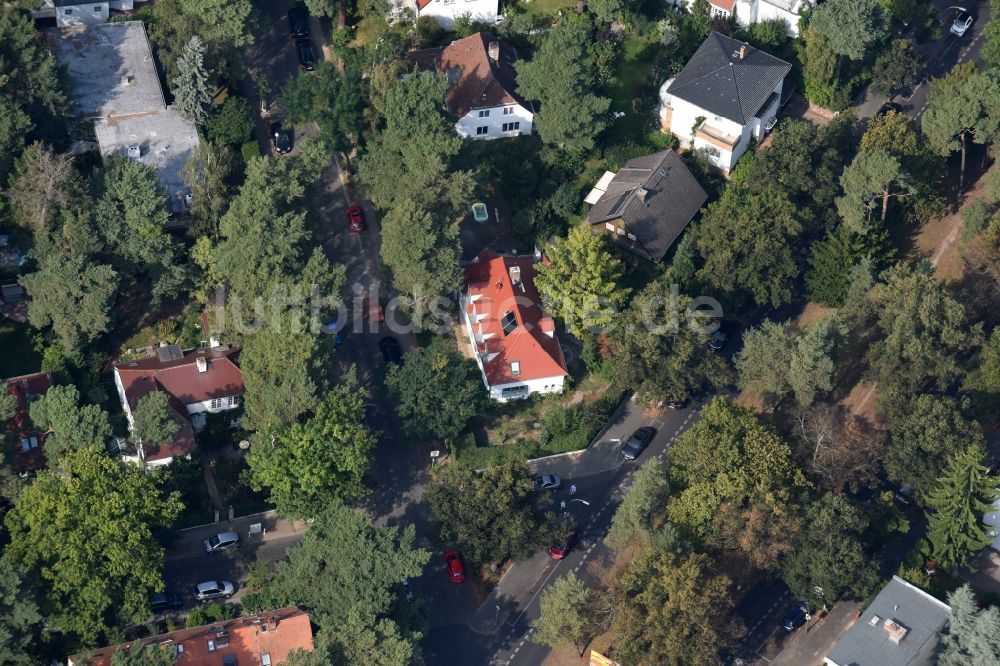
(275, 528)
(811, 643)
(512, 592)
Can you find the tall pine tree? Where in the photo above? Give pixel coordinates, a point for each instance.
(835, 257)
(192, 89)
(955, 510)
(972, 636)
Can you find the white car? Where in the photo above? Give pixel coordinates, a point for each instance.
(214, 589)
(962, 23)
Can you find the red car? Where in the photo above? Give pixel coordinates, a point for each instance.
(374, 310)
(357, 222)
(559, 550)
(456, 570)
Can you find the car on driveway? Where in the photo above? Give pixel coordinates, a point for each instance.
(962, 23)
(561, 548)
(162, 601)
(222, 541)
(796, 616)
(548, 482)
(298, 21)
(214, 589)
(637, 443)
(307, 57)
(281, 138)
(456, 568)
(391, 351)
(718, 340)
(355, 219)
(889, 106)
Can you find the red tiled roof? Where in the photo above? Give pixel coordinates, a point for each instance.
(474, 79)
(726, 5)
(538, 355)
(422, 3)
(23, 388)
(181, 379)
(274, 633)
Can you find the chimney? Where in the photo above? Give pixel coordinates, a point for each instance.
(494, 51)
(515, 275)
(641, 192)
(202, 364)
(548, 326)
(896, 631)
(743, 51)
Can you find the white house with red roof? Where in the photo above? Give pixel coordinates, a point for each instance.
(514, 342)
(27, 440)
(199, 382)
(446, 11)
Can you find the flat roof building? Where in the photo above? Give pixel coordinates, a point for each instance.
(900, 628)
(115, 83)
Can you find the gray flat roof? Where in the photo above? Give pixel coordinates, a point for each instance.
(869, 643)
(98, 57)
(165, 141)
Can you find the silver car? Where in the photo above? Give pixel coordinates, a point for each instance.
(214, 589)
(222, 541)
(548, 482)
(962, 23)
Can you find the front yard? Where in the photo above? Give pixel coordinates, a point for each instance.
(19, 356)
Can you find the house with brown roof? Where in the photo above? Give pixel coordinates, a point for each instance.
(199, 382)
(26, 439)
(647, 204)
(446, 11)
(265, 639)
(482, 86)
(512, 338)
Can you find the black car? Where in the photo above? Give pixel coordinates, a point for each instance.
(162, 601)
(391, 351)
(637, 443)
(889, 106)
(307, 57)
(797, 616)
(298, 19)
(281, 138)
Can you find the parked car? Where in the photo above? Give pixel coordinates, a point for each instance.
(889, 106)
(637, 443)
(391, 351)
(162, 601)
(548, 482)
(718, 340)
(407, 592)
(962, 23)
(355, 219)
(373, 309)
(560, 549)
(222, 541)
(677, 403)
(281, 138)
(298, 21)
(214, 589)
(456, 569)
(307, 57)
(796, 616)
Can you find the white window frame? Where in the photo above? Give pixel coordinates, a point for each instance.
(484, 113)
(482, 130)
(234, 401)
(508, 110)
(216, 403)
(515, 368)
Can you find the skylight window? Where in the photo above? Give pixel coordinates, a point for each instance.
(509, 323)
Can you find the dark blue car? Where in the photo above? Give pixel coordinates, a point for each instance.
(797, 616)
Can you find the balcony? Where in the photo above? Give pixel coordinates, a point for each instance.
(716, 137)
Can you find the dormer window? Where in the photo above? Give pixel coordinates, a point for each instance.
(515, 368)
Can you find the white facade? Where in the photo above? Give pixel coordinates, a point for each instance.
(498, 122)
(446, 11)
(90, 13)
(511, 391)
(755, 11)
(722, 140)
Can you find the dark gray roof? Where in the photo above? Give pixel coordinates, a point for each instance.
(868, 642)
(656, 196)
(717, 80)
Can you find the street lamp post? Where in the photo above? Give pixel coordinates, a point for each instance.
(496, 618)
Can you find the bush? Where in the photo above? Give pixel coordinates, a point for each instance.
(427, 32)
(249, 151)
(974, 219)
(231, 125)
(209, 614)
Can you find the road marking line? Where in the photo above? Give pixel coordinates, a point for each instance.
(576, 568)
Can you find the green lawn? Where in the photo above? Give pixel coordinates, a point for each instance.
(546, 8)
(633, 91)
(17, 356)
